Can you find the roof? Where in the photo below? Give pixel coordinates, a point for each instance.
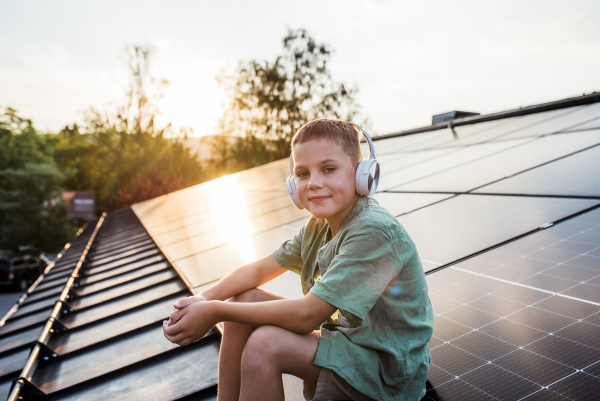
(506, 219)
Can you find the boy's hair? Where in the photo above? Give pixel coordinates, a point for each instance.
(339, 132)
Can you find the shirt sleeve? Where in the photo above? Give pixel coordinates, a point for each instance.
(289, 254)
(360, 272)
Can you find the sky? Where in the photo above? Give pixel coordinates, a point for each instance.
(410, 59)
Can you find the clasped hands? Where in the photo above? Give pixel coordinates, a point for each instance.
(190, 320)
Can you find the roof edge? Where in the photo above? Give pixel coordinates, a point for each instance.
(593, 97)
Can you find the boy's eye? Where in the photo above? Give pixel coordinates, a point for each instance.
(302, 174)
(329, 169)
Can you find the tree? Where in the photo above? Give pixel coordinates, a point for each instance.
(155, 184)
(270, 101)
(121, 145)
(29, 178)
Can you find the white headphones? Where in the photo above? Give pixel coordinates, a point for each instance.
(367, 174)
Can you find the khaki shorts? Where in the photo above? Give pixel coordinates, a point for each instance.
(330, 386)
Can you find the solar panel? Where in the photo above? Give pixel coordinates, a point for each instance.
(466, 224)
(466, 133)
(575, 175)
(523, 127)
(399, 204)
(476, 133)
(591, 124)
(470, 134)
(398, 178)
(469, 176)
(213, 264)
(530, 333)
(392, 162)
(564, 122)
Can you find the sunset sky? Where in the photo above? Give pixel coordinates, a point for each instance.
(410, 59)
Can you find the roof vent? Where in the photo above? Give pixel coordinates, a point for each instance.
(451, 115)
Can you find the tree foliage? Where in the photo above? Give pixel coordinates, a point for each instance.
(142, 188)
(28, 179)
(270, 100)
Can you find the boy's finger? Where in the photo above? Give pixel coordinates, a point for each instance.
(179, 338)
(182, 303)
(175, 316)
(167, 336)
(173, 329)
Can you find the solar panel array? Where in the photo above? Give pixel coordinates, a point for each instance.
(505, 218)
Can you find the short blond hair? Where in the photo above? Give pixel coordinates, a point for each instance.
(339, 132)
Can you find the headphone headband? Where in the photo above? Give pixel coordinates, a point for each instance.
(367, 137)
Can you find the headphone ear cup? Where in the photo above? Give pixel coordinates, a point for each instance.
(290, 184)
(373, 179)
(367, 177)
(358, 179)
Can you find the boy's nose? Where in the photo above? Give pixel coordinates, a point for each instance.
(315, 183)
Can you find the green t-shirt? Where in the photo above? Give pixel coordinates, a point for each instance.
(384, 352)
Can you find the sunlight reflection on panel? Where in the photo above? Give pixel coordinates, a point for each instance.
(216, 263)
(199, 223)
(210, 239)
(230, 213)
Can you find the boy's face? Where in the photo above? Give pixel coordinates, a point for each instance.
(324, 176)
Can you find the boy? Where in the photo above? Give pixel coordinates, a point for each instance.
(361, 275)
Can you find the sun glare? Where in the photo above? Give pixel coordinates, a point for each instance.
(228, 208)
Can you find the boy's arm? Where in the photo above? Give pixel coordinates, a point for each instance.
(297, 315)
(244, 278)
(241, 279)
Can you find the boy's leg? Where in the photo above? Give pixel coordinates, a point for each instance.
(271, 351)
(233, 342)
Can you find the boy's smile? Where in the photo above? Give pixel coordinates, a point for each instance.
(324, 176)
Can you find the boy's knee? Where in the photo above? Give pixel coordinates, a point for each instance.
(262, 345)
(251, 295)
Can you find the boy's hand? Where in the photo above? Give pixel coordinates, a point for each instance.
(190, 323)
(182, 303)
